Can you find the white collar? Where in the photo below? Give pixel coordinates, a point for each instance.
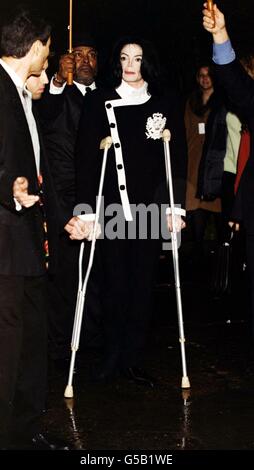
(83, 87)
(127, 91)
(28, 92)
(12, 74)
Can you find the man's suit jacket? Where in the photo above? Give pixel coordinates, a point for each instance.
(59, 117)
(21, 232)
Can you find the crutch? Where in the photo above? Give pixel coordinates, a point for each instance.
(166, 138)
(105, 145)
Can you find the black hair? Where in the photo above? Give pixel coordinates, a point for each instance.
(20, 30)
(150, 66)
(196, 99)
(209, 66)
(83, 38)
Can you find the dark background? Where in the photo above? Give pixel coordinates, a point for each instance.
(174, 26)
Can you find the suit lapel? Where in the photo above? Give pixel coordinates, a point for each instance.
(13, 98)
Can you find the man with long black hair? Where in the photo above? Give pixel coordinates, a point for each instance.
(135, 112)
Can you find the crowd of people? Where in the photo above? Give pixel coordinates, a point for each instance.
(50, 165)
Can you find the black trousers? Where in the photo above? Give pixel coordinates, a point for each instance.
(227, 194)
(23, 355)
(250, 267)
(128, 274)
(198, 220)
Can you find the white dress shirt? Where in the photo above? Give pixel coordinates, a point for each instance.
(26, 100)
(54, 90)
(127, 91)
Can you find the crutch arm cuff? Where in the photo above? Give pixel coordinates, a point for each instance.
(87, 217)
(178, 211)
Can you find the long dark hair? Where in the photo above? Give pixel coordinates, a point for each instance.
(150, 66)
(196, 99)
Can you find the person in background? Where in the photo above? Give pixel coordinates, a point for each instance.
(244, 147)
(239, 87)
(59, 112)
(36, 84)
(28, 216)
(199, 119)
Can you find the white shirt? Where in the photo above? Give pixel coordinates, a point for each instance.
(54, 90)
(27, 106)
(127, 91)
(32, 127)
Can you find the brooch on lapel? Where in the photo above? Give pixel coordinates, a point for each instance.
(155, 125)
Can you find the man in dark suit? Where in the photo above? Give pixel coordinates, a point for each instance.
(59, 111)
(240, 89)
(27, 209)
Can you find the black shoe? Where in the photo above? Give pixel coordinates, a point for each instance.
(44, 442)
(138, 376)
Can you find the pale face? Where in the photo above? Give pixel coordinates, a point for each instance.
(40, 56)
(85, 64)
(203, 78)
(131, 59)
(36, 83)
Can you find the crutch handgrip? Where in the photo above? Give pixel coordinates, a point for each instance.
(166, 135)
(106, 142)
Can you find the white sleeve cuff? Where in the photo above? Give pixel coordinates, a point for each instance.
(56, 90)
(87, 217)
(18, 206)
(178, 211)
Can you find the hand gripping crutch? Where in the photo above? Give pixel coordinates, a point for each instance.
(105, 145)
(166, 138)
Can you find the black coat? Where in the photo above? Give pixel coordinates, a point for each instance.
(143, 157)
(240, 89)
(21, 233)
(213, 153)
(59, 116)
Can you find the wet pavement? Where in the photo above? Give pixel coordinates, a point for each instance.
(216, 413)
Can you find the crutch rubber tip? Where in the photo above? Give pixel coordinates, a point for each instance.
(68, 392)
(185, 382)
(166, 135)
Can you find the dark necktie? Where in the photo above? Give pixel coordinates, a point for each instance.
(88, 90)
